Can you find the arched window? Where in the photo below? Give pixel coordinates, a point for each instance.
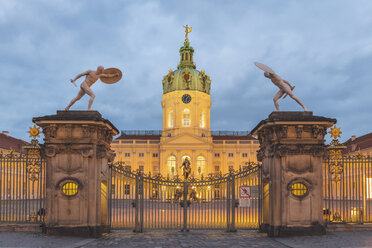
(170, 118)
(200, 165)
(186, 118)
(202, 119)
(172, 167)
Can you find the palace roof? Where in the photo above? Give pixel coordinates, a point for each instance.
(359, 143)
(9, 142)
(156, 134)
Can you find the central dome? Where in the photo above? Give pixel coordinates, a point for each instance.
(186, 77)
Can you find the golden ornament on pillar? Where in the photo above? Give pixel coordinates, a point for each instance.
(34, 132)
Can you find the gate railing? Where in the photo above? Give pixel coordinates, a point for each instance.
(22, 186)
(347, 185)
(140, 202)
(348, 190)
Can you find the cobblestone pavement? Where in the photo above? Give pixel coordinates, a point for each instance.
(191, 239)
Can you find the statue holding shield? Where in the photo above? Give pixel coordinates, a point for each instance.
(285, 88)
(108, 76)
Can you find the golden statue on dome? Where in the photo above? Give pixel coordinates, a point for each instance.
(187, 31)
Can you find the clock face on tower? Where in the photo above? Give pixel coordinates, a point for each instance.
(186, 98)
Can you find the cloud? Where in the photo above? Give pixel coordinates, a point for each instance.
(321, 47)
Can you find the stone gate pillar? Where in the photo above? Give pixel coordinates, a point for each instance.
(291, 151)
(77, 150)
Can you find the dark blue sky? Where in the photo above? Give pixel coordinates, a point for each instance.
(324, 48)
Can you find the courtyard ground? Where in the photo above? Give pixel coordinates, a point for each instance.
(191, 239)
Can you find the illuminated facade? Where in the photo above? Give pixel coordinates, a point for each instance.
(186, 131)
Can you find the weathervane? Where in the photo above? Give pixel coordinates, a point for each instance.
(187, 31)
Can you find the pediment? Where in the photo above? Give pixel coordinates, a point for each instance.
(185, 139)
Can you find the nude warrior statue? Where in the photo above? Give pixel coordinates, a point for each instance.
(284, 86)
(90, 79)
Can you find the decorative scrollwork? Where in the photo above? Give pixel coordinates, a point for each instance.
(211, 176)
(33, 170)
(336, 166)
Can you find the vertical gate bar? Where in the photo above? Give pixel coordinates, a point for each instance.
(342, 183)
(136, 205)
(185, 193)
(109, 187)
(1, 188)
(260, 196)
(325, 186)
(14, 192)
(232, 229)
(330, 202)
(350, 186)
(228, 205)
(361, 198)
(14, 185)
(141, 204)
(359, 191)
(369, 188)
(364, 194)
(120, 198)
(7, 191)
(354, 191)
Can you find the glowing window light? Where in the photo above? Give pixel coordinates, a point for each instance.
(299, 189)
(70, 189)
(369, 188)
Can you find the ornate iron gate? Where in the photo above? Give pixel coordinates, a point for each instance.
(22, 186)
(347, 185)
(348, 189)
(140, 202)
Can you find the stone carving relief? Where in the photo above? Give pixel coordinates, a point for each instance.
(318, 132)
(299, 131)
(50, 131)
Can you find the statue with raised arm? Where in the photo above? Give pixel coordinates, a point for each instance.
(108, 76)
(187, 31)
(285, 88)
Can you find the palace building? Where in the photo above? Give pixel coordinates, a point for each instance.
(9, 144)
(186, 131)
(359, 145)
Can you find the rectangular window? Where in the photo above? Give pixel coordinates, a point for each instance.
(245, 155)
(231, 155)
(155, 155)
(217, 168)
(141, 168)
(141, 155)
(186, 120)
(127, 168)
(231, 167)
(127, 189)
(127, 154)
(141, 141)
(216, 155)
(231, 142)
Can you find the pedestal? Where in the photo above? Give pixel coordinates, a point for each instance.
(292, 150)
(77, 150)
